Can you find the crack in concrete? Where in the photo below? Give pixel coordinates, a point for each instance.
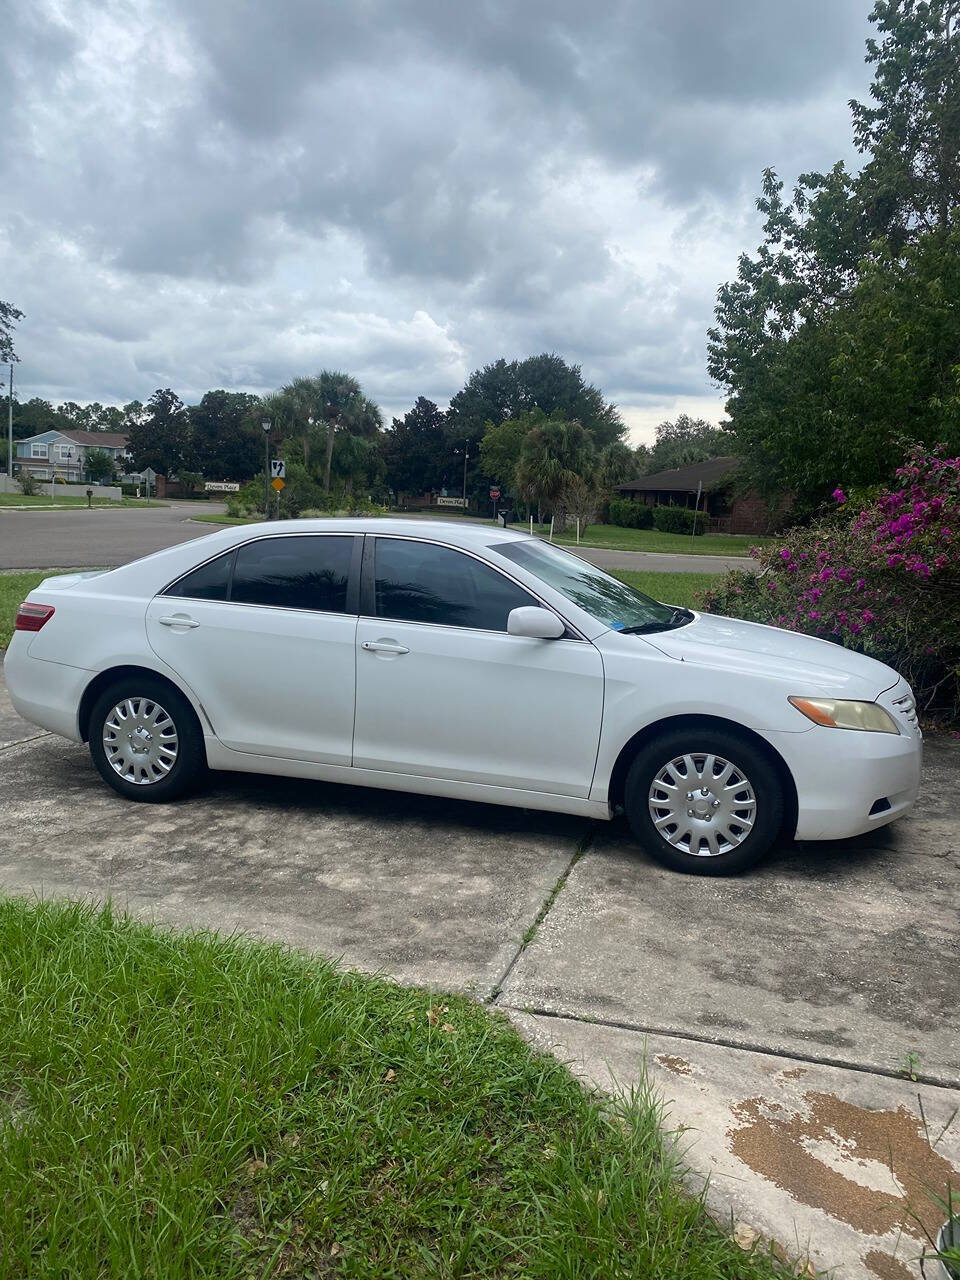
(5, 746)
(545, 908)
(920, 1077)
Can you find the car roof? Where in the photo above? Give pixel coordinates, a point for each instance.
(464, 533)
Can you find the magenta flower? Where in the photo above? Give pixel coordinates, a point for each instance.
(840, 496)
(785, 554)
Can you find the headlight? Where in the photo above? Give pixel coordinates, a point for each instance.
(837, 713)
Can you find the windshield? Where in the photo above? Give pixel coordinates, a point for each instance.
(610, 601)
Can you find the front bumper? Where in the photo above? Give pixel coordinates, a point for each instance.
(849, 782)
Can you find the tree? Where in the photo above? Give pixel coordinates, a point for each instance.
(507, 390)
(335, 402)
(9, 315)
(227, 438)
(685, 441)
(617, 464)
(841, 332)
(161, 438)
(98, 465)
(416, 449)
(554, 454)
(91, 417)
(33, 417)
(502, 443)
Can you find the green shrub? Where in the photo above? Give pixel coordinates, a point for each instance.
(679, 520)
(248, 501)
(27, 481)
(629, 514)
(885, 583)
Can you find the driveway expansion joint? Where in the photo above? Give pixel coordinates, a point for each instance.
(33, 737)
(843, 1064)
(545, 907)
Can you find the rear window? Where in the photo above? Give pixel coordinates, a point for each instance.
(290, 572)
(294, 573)
(210, 582)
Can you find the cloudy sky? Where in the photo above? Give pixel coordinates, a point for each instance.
(207, 193)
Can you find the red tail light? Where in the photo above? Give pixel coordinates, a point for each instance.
(32, 617)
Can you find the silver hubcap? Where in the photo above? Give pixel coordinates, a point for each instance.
(140, 741)
(703, 805)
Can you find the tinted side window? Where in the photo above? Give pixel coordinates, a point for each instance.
(294, 573)
(421, 582)
(209, 582)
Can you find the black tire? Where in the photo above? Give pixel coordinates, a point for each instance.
(166, 782)
(743, 835)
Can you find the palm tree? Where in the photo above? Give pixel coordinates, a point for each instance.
(553, 456)
(333, 401)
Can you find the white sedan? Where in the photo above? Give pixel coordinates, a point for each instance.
(457, 660)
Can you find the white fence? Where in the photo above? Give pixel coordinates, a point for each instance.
(63, 490)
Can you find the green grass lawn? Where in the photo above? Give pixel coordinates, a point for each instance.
(70, 502)
(601, 536)
(186, 1105)
(671, 588)
(217, 518)
(611, 537)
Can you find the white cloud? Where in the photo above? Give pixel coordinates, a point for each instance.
(200, 193)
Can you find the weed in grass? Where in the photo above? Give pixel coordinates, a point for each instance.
(190, 1105)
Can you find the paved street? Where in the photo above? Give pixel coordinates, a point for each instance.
(101, 538)
(774, 1011)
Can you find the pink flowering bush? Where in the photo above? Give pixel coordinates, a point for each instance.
(883, 579)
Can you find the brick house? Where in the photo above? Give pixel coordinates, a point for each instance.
(728, 510)
(61, 455)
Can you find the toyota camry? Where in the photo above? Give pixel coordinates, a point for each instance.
(454, 659)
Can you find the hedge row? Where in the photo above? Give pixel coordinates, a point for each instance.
(636, 515)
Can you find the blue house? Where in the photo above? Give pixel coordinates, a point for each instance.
(61, 455)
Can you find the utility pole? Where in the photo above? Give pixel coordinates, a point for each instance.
(10, 433)
(466, 456)
(265, 424)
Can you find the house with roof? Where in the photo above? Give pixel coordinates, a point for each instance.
(61, 455)
(708, 486)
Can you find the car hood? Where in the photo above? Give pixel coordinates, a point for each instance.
(812, 665)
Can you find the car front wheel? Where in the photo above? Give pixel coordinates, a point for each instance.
(704, 801)
(145, 740)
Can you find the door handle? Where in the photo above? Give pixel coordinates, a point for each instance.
(173, 620)
(383, 646)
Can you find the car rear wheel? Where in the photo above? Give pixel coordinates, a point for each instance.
(704, 801)
(145, 740)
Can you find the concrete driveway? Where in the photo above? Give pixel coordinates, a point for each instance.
(773, 1011)
(99, 538)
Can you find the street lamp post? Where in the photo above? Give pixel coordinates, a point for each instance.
(265, 424)
(466, 458)
(10, 433)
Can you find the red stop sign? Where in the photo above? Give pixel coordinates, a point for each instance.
(494, 493)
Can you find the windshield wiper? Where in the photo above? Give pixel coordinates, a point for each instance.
(678, 618)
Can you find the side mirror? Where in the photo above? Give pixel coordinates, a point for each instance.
(538, 624)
